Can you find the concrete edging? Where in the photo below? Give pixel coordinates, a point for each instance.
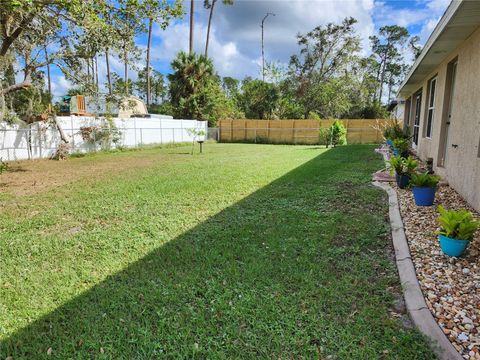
(414, 300)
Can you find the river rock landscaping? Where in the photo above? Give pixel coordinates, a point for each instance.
(451, 286)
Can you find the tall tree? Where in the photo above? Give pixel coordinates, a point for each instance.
(387, 49)
(161, 11)
(192, 23)
(326, 52)
(210, 5)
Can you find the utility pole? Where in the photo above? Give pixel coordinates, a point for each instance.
(192, 11)
(263, 51)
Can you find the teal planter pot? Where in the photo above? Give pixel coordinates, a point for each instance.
(402, 180)
(423, 196)
(453, 247)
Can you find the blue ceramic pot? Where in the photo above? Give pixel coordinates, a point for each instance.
(402, 180)
(424, 196)
(389, 142)
(452, 247)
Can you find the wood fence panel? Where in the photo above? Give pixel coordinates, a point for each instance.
(359, 131)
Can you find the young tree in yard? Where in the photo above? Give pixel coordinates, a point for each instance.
(210, 5)
(387, 49)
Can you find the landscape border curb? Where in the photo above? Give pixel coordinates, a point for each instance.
(414, 300)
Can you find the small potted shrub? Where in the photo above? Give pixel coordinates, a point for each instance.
(400, 147)
(457, 230)
(424, 186)
(403, 168)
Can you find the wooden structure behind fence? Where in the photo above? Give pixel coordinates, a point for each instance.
(359, 131)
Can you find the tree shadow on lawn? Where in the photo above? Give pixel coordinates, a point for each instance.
(280, 274)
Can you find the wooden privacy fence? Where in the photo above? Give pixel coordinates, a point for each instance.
(359, 131)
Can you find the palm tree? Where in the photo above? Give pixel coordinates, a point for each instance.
(192, 73)
(210, 4)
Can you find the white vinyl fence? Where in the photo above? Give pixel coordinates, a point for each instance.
(41, 139)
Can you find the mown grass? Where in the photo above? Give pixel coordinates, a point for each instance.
(246, 251)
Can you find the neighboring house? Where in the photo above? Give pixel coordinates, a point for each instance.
(442, 99)
(396, 108)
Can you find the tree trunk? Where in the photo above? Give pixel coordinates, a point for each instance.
(49, 80)
(150, 22)
(382, 75)
(209, 26)
(109, 79)
(125, 59)
(96, 72)
(192, 11)
(59, 128)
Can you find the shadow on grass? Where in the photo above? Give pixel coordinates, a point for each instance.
(297, 269)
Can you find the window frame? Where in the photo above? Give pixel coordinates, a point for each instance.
(432, 85)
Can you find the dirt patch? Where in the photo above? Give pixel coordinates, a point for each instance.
(32, 177)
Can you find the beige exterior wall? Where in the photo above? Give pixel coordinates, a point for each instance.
(462, 166)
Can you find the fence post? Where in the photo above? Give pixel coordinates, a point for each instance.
(73, 134)
(173, 135)
(39, 137)
(141, 137)
(181, 127)
(135, 130)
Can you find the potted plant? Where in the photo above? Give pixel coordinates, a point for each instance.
(424, 186)
(403, 168)
(400, 147)
(457, 230)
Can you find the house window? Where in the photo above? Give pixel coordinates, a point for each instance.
(416, 121)
(431, 107)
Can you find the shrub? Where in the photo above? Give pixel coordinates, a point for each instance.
(63, 151)
(424, 180)
(402, 166)
(3, 166)
(338, 134)
(401, 145)
(324, 136)
(458, 225)
(394, 132)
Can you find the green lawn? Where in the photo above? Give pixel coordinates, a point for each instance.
(246, 251)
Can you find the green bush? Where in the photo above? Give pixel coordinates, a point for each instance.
(402, 166)
(3, 166)
(394, 132)
(458, 225)
(401, 145)
(424, 180)
(338, 134)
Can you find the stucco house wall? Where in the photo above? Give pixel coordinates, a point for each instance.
(462, 165)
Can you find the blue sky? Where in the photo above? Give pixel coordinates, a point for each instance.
(235, 39)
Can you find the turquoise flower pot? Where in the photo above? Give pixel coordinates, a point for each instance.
(453, 247)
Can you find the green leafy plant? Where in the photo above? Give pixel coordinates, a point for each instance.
(458, 225)
(3, 166)
(424, 180)
(402, 166)
(394, 132)
(338, 134)
(401, 145)
(324, 136)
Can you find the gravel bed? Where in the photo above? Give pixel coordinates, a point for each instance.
(451, 286)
